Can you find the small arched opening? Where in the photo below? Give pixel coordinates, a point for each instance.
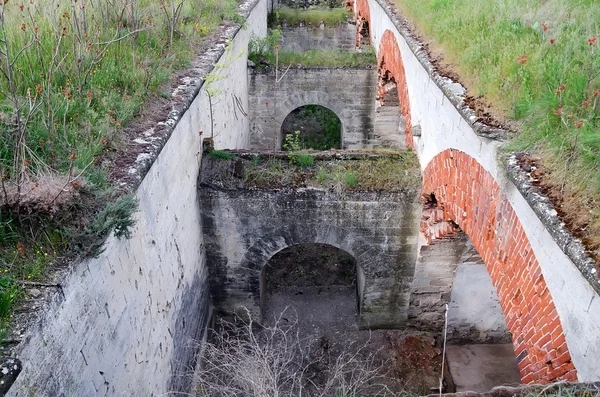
(389, 123)
(364, 35)
(317, 127)
(319, 283)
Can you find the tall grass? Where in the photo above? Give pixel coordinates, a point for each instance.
(538, 63)
(73, 73)
(313, 17)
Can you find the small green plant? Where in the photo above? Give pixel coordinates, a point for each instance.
(292, 146)
(220, 154)
(305, 160)
(260, 49)
(10, 292)
(350, 179)
(321, 175)
(117, 216)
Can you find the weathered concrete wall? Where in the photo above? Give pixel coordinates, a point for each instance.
(551, 308)
(244, 228)
(306, 38)
(349, 93)
(125, 323)
(474, 313)
(451, 272)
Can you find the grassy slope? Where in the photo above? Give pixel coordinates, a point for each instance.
(81, 91)
(517, 54)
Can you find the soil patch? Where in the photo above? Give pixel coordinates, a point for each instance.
(571, 209)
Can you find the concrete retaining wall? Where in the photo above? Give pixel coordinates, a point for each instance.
(244, 228)
(349, 93)
(301, 39)
(128, 320)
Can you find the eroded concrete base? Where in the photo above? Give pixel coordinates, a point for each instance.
(479, 368)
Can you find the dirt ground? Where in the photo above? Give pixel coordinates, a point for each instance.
(314, 287)
(327, 318)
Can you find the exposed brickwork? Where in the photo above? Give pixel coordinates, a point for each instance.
(363, 16)
(390, 66)
(465, 193)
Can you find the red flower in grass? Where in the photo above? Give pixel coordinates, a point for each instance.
(20, 248)
(522, 59)
(545, 27)
(552, 41)
(558, 112)
(579, 124)
(592, 40)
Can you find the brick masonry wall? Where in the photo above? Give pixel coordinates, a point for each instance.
(469, 195)
(362, 15)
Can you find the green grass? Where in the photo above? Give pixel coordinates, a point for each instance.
(220, 154)
(517, 54)
(305, 160)
(313, 17)
(330, 58)
(398, 173)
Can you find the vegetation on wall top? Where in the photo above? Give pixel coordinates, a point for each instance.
(313, 17)
(267, 53)
(380, 170)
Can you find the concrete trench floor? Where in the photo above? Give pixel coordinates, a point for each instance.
(331, 313)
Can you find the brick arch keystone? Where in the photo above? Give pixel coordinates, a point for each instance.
(460, 190)
(389, 61)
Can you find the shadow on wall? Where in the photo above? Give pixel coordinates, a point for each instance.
(305, 273)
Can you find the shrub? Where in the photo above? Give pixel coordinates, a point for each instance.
(117, 216)
(245, 358)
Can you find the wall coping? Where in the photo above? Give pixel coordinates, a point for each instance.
(543, 208)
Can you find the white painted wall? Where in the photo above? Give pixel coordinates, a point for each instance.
(121, 327)
(443, 127)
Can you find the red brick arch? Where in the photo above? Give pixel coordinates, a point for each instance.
(468, 195)
(389, 61)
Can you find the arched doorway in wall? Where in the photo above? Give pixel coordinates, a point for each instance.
(318, 283)
(390, 124)
(318, 128)
(479, 351)
(458, 188)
